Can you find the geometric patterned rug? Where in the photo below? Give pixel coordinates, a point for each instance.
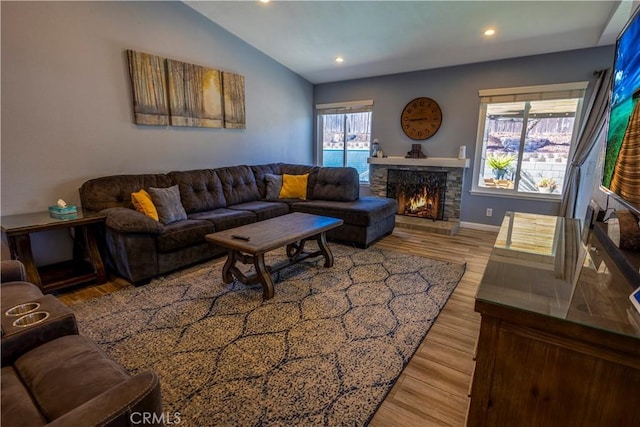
(324, 351)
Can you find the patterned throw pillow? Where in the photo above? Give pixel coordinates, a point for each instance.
(294, 186)
(168, 205)
(274, 185)
(142, 203)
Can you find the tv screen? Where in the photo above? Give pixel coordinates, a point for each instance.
(621, 173)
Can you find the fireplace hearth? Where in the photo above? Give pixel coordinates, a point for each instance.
(420, 193)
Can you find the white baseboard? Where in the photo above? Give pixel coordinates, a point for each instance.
(478, 226)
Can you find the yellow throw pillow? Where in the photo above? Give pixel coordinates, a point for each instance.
(294, 186)
(142, 202)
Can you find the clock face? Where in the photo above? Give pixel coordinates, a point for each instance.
(421, 118)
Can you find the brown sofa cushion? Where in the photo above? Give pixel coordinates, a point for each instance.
(67, 372)
(362, 212)
(200, 190)
(338, 184)
(224, 219)
(259, 172)
(115, 191)
(182, 234)
(262, 209)
(17, 407)
(238, 184)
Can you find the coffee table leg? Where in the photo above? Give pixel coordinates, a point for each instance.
(229, 265)
(326, 252)
(264, 276)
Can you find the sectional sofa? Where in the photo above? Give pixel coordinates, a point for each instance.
(140, 248)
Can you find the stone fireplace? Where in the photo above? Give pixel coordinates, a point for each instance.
(419, 193)
(450, 170)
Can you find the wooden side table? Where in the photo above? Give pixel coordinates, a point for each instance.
(86, 264)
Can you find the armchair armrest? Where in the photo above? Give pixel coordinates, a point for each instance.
(12, 270)
(17, 340)
(122, 405)
(125, 220)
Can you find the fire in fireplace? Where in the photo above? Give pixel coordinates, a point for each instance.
(419, 193)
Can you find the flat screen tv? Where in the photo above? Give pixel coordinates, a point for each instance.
(621, 174)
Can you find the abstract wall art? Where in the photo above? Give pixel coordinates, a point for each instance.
(233, 89)
(148, 84)
(176, 93)
(195, 95)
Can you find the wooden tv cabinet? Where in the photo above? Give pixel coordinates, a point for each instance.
(559, 341)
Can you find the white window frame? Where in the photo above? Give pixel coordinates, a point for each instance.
(523, 93)
(339, 108)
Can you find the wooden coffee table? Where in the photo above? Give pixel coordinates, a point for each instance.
(247, 244)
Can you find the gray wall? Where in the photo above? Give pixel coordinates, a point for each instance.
(456, 91)
(67, 107)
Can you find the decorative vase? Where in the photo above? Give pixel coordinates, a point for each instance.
(499, 173)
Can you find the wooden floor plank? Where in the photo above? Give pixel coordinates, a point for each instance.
(429, 391)
(446, 356)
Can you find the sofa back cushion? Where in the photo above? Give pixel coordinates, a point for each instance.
(337, 184)
(115, 191)
(238, 184)
(200, 190)
(289, 169)
(260, 172)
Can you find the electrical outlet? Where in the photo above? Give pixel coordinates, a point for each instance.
(489, 211)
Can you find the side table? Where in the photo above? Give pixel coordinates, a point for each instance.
(86, 264)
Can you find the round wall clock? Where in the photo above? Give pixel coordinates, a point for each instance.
(421, 118)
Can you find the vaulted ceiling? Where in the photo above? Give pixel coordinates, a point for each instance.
(386, 37)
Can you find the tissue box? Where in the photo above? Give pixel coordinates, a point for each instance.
(71, 215)
(57, 210)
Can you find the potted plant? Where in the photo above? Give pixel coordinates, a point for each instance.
(500, 164)
(547, 185)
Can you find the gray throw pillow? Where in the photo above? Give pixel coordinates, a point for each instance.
(168, 205)
(274, 185)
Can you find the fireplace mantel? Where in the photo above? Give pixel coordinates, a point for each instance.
(449, 162)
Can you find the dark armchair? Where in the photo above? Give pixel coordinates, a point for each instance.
(53, 376)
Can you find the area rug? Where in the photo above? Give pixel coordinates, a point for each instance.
(325, 350)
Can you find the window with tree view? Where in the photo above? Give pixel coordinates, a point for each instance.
(525, 138)
(346, 137)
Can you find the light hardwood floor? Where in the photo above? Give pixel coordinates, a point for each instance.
(433, 388)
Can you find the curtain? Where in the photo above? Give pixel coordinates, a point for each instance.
(598, 113)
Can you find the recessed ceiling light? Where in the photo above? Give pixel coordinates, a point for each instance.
(339, 59)
(265, 1)
(489, 32)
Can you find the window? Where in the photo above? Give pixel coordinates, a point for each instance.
(345, 133)
(525, 138)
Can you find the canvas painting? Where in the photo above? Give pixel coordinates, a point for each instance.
(233, 89)
(176, 93)
(195, 95)
(148, 84)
